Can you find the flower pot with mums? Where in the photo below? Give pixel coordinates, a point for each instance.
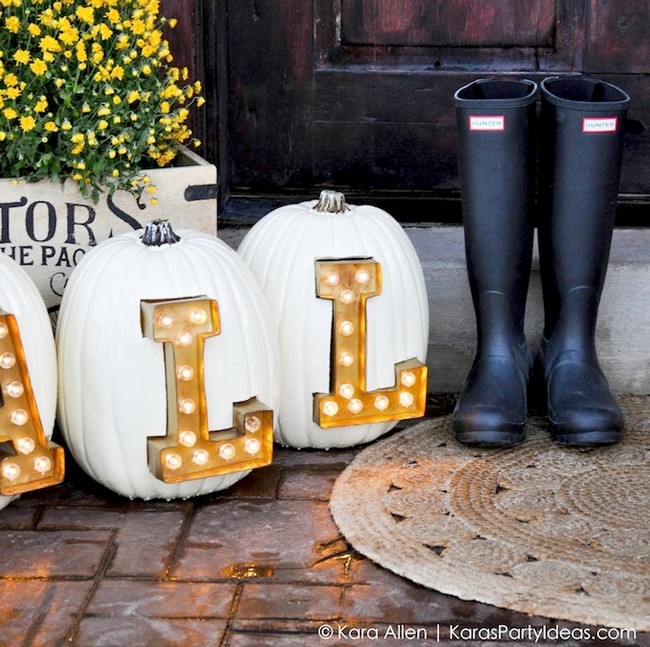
(93, 123)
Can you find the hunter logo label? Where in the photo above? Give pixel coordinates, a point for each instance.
(487, 122)
(599, 124)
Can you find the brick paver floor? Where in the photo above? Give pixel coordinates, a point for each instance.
(261, 564)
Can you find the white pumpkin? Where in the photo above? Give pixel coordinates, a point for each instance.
(112, 379)
(281, 249)
(20, 297)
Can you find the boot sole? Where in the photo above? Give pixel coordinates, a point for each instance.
(586, 438)
(494, 439)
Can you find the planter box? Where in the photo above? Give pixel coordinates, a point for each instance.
(47, 228)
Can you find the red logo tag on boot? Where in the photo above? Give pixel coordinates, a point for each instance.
(487, 122)
(599, 124)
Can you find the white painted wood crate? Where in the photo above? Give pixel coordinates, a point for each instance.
(47, 228)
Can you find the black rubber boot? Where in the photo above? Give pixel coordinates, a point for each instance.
(581, 134)
(496, 123)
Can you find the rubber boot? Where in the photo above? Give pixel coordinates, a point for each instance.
(581, 132)
(496, 123)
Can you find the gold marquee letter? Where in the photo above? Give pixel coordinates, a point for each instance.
(28, 460)
(189, 450)
(348, 283)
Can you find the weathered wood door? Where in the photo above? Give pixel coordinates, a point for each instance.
(357, 94)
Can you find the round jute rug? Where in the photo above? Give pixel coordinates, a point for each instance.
(543, 529)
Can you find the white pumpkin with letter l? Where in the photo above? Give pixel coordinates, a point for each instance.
(168, 365)
(29, 460)
(348, 294)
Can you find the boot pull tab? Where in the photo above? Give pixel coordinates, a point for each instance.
(634, 127)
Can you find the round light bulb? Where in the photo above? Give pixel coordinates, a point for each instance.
(362, 277)
(184, 338)
(330, 408)
(406, 399)
(185, 373)
(42, 464)
(4, 330)
(187, 406)
(252, 446)
(331, 278)
(198, 317)
(7, 360)
(25, 445)
(15, 389)
(19, 417)
(11, 471)
(355, 406)
(166, 320)
(381, 402)
(408, 379)
(346, 328)
(346, 296)
(187, 438)
(346, 391)
(252, 424)
(173, 461)
(227, 451)
(346, 359)
(200, 457)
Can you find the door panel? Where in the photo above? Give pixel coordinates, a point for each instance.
(463, 23)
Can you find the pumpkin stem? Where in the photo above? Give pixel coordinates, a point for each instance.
(331, 202)
(159, 232)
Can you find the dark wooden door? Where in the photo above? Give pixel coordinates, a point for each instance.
(357, 94)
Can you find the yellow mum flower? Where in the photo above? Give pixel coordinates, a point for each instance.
(49, 44)
(10, 113)
(69, 36)
(39, 67)
(34, 29)
(27, 123)
(122, 42)
(10, 80)
(41, 105)
(13, 93)
(82, 56)
(22, 56)
(86, 14)
(13, 24)
(51, 127)
(105, 31)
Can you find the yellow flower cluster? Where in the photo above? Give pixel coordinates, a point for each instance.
(88, 91)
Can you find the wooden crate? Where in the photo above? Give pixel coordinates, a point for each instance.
(47, 228)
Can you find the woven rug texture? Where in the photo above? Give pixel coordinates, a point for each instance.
(542, 529)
